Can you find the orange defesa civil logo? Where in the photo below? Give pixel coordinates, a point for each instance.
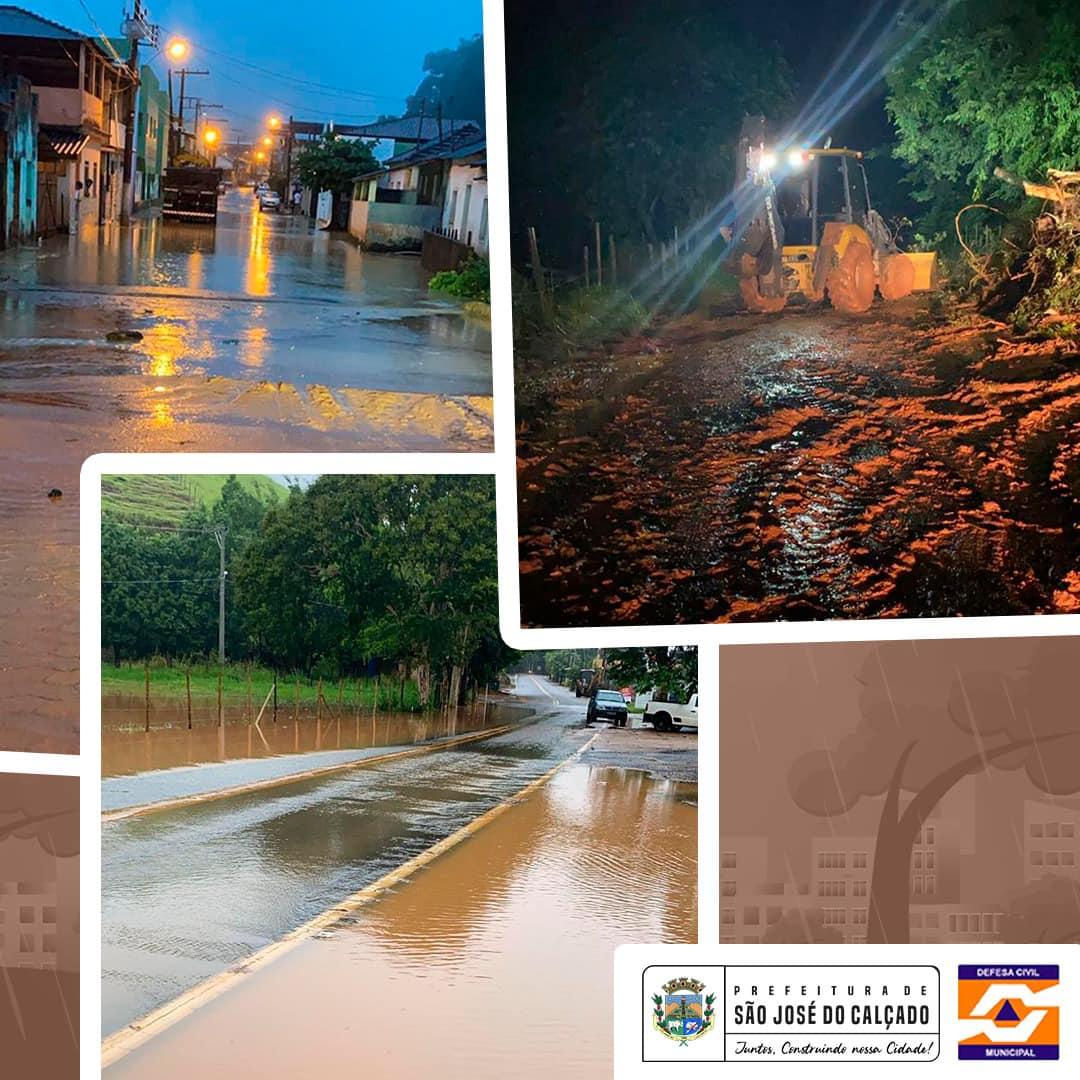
(1009, 1012)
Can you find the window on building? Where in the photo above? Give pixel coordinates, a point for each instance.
(916, 919)
(1051, 858)
(929, 834)
(933, 920)
(930, 883)
(1068, 858)
(1052, 829)
(484, 222)
(859, 860)
(727, 888)
(28, 943)
(917, 860)
(727, 860)
(751, 916)
(27, 915)
(48, 914)
(858, 916)
(1068, 830)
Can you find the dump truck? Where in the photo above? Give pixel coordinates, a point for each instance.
(805, 226)
(190, 193)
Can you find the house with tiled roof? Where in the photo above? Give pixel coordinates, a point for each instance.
(438, 187)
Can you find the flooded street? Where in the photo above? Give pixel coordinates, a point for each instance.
(500, 951)
(189, 892)
(808, 466)
(263, 334)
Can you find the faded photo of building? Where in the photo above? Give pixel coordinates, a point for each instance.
(39, 924)
(900, 792)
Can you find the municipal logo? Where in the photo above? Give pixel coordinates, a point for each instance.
(684, 1011)
(1009, 1013)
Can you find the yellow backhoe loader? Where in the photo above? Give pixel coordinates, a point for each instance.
(804, 225)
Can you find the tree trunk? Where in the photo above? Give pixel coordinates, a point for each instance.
(890, 892)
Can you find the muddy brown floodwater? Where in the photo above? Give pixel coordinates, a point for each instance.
(264, 334)
(494, 962)
(127, 749)
(809, 466)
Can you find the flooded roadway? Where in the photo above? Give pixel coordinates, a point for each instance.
(189, 892)
(261, 335)
(494, 962)
(809, 466)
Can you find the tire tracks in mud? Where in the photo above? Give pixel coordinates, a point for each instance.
(864, 470)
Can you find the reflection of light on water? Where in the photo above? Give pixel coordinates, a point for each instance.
(255, 346)
(161, 414)
(195, 270)
(257, 271)
(162, 365)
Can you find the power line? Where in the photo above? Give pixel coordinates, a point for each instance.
(157, 581)
(161, 528)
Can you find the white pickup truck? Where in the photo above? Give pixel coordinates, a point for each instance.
(670, 715)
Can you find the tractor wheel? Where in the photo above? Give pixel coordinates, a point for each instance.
(750, 289)
(851, 284)
(897, 277)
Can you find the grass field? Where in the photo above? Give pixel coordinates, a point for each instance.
(164, 500)
(170, 682)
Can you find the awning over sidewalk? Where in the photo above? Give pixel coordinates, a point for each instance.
(60, 142)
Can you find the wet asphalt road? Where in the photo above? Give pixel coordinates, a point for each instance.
(189, 892)
(262, 296)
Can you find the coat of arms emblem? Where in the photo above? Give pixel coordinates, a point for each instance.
(684, 1012)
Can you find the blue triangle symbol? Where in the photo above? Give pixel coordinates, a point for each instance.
(1007, 1014)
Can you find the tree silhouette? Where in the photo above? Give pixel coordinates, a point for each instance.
(934, 713)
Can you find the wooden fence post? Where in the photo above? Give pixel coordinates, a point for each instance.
(538, 275)
(296, 702)
(146, 670)
(585, 265)
(275, 697)
(220, 712)
(611, 253)
(599, 259)
(250, 707)
(187, 683)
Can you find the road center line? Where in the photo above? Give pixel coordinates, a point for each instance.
(142, 1030)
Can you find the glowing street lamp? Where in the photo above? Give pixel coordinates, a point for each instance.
(274, 123)
(177, 50)
(259, 155)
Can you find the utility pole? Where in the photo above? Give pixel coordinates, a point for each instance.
(183, 73)
(220, 533)
(288, 164)
(136, 28)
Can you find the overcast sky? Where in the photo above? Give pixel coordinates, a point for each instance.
(362, 60)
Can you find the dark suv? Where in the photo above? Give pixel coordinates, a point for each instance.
(607, 705)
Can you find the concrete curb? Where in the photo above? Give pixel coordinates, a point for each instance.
(141, 1031)
(110, 816)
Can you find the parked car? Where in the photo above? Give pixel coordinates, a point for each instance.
(269, 200)
(607, 705)
(671, 716)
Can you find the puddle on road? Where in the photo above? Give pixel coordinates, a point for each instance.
(499, 954)
(127, 749)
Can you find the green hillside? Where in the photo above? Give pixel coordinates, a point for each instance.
(164, 500)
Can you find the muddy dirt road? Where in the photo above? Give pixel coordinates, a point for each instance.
(808, 466)
(490, 944)
(262, 335)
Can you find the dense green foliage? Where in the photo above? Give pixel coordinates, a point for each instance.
(351, 575)
(995, 83)
(635, 125)
(331, 164)
(471, 281)
(671, 672)
(453, 80)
